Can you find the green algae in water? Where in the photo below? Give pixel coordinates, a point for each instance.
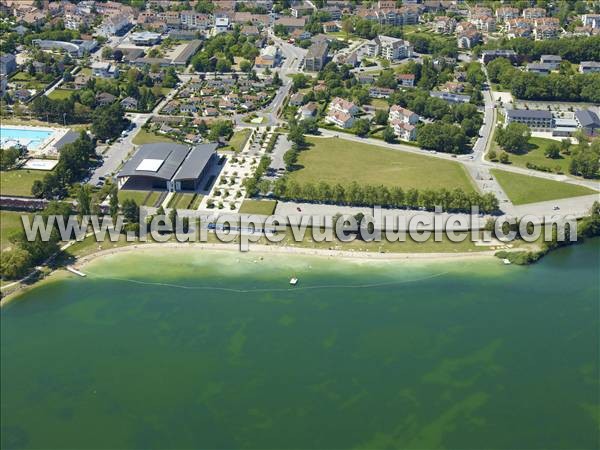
(431, 355)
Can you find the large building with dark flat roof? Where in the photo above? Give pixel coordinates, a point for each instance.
(534, 118)
(165, 166)
(588, 121)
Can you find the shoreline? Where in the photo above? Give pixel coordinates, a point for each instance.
(257, 249)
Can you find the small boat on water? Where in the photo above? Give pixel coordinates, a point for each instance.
(294, 281)
(506, 261)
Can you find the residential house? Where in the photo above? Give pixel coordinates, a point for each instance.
(105, 98)
(406, 79)
(444, 24)
(394, 49)
(540, 68)
(301, 10)
(308, 111)
(291, 23)
(552, 61)
(8, 64)
(450, 97)
(316, 57)
(129, 103)
(403, 130)
(468, 39)
(330, 27)
(113, 25)
(534, 13)
(340, 119)
(22, 95)
(380, 92)
(591, 20)
(489, 55)
(507, 12)
(342, 105)
(589, 66)
(397, 112)
(104, 70)
(297, 99)
(269, 57)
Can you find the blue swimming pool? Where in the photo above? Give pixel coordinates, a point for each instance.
(31, 138)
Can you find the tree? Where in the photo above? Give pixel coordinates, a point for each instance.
(8, 157)
(109, 121)
(245, 66)
(361, 127)
(504, 159)
(552, 151)
(388, 134)
(15, 263)
(118, 55)
(442, 137)
(492, 155)
(130, 210)
(514, 137)
(84, 200)
(107, 52)
(113, 206)
(381, 117)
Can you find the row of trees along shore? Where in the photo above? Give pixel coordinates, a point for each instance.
(356, 194)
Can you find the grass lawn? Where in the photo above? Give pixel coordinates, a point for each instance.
(148, 137)
(19, 182)
(10, 222)
(181, 200)
(239, 138)
(379, 103)
(265, 207)
(21, 76)
(147, 198)
(342, 161)
(522, 189)
(535, 155)
(196, 201)
(60, 94)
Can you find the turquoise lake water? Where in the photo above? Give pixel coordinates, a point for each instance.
(183, 349)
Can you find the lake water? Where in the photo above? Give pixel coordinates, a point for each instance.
(29, 137)
(183, 349)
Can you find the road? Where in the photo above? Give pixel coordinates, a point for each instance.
(118, 151)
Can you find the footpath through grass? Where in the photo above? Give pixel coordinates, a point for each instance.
(336, 160)
(19, 182)
(523, 189)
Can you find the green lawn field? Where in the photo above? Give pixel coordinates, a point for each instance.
(10, 222)
(19, 182)
(60, 94)
(147, 198)
(147, 137)
(265, 207)
(523, 189)
(237, 141)
(336, 160)
(535, 155)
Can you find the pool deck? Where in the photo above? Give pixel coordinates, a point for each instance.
(46, 147)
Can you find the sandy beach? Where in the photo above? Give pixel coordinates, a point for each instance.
(263, 251)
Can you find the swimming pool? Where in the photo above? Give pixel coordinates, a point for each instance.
(28, 137)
